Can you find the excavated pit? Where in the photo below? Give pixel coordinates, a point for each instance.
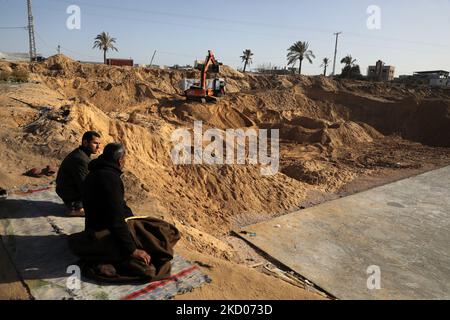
(331, 132)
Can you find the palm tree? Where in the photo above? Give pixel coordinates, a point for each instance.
(104, 42)
(348, 60)
(299, 51)
(325, 64)
(247, 58)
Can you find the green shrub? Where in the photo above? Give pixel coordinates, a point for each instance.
(351, 72)
(20, 75)
(4, 75)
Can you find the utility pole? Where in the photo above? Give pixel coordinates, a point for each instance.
(31, 39)
(335, 52)
(151, 61)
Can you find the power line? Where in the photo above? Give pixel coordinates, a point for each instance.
(277, 36)
(178, 54)
(45, 43)
(252, 23)
(188, 16)
(80, 54)
(8, 28)
(200, 27)
(59, 47)
(285, 35)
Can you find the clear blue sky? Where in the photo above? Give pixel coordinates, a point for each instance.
(414, 35)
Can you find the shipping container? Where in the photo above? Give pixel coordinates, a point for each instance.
(120, 62)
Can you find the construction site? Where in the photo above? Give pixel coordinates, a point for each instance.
(338, 139)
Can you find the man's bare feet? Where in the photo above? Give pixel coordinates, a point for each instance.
(76, 213)
(107, 270)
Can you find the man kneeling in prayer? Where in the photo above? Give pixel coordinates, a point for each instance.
(116, 246)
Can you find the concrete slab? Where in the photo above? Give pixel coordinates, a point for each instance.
(403, 228)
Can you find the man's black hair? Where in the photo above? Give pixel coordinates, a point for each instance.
(113, 152)
(89, 136)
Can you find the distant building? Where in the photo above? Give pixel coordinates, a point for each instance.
(381, 72)
(14, 56)
(434, 78)
(440, 83)
(274, 70)
(436, 74)
(183, 68)
(89, 62)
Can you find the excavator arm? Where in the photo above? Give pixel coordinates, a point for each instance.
(210, 60)
(201, 90)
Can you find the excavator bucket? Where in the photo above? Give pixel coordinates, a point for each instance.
(214, 68)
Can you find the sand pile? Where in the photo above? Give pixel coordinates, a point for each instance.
(196, 198)
(389, 109)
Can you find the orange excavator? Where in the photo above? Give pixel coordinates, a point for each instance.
(209, 89)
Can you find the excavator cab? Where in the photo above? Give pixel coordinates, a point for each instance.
(206, 90)
(214, 68)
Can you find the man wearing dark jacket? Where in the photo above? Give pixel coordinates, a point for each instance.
(103, 200)
(111, 244)
(73, 171)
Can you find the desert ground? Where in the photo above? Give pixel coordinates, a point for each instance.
(337, 137)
